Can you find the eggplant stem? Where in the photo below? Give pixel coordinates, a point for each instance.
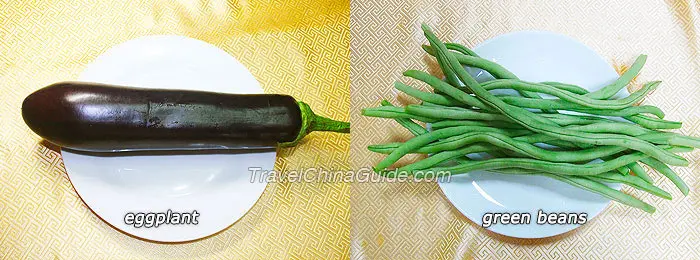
(311, 122)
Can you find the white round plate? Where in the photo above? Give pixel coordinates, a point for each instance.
(532, 56)
(216, 185)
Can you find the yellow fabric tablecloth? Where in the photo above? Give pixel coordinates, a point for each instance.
(400, 221)
(300, 48)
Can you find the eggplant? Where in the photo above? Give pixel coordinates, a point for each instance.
(106, 118)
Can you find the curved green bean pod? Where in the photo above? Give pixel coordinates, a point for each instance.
(447, 144)
(594, 126)
(440, 85)
(533, 164)
(452, 113)
(668, 172)
(612, 89)
(558, 105)
(426, 96)
(393, 113)
(594, 186)
(640, 172)
(495, 69)
(417, 142)
(547, 104)
(568, 87)
(459, 141)
(631, 180)
(520, 147)
(654, 123)
(605, 191)
(491, 66)
(624, 170)
(461, 49)
(428, 149)
(608, 177)
(500, 72)
(574, 98)
(651, 123)
(498, 124)
(412, 127)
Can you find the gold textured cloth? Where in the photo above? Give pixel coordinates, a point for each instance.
(300, 48)
(408, 221)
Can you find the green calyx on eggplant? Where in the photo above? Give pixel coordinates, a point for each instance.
(103, 118)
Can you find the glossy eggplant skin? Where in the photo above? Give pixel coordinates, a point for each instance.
(102, 118)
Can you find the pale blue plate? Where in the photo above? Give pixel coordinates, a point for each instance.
(533, 56)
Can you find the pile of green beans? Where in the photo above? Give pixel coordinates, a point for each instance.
(585, 149)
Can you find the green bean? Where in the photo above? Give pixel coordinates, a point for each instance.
(558, 105)
(447, 144)
(417, 142)
(605, 191)
(539, 124)
(440, 85)
(611, 127)
(599, 127)
(646, 122)
(500, 72)
(624, 170)
(497, 154)
(450, 76)
(632, 181)
(525, 163)
(608, 177)
(612, 89)
(412, 127)
(531, 103)
(533, 138)
(564, 144)
(684, 140)
(393, 113)
(428, 104)
(489, 67)
(568, 87)
(452, 113)
(566, 120)
(425, 96)
(668, 172)
(456, 142)
(495, 69)
(524, 148)
(497, 124)
(653, 123)
(461, 49)
(428, 149)
(640, 172)
(594, 185)
(574, 98)
(542, 138)
(396, 112)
